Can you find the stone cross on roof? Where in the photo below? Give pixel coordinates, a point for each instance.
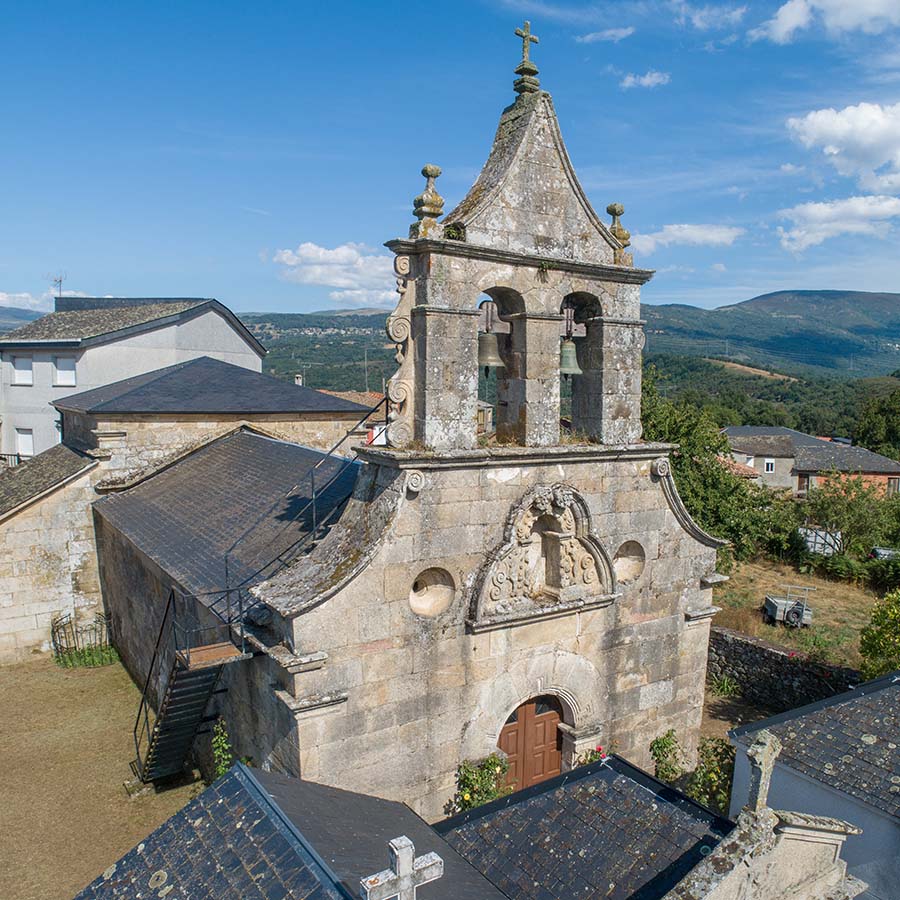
(527, 39)
(406, 874)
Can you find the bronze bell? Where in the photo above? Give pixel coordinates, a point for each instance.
(568, 359)
(489, 352)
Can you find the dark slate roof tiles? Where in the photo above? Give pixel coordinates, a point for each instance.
(605, 830)
(34, 476)
(230, 843)
(206, 385)
(850, 742)
(827, 456)
(78, 324)
(223, 513)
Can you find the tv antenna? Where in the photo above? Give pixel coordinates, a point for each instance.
(58, 280)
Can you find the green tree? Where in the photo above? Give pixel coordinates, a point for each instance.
(856, 509)
(748, 516)
(878, 428)
(879, 642)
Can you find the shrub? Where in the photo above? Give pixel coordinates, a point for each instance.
(879, 642)
(710, 782)
(478, 783)
(223, 755)
(725, 686)
(87, 657)
(667, 757)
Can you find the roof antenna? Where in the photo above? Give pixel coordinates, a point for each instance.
(58, 280)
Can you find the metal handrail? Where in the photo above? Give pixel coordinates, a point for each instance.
(144, 708)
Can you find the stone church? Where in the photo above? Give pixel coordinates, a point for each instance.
(540, 592)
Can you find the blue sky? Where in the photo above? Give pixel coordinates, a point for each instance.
(261, 153)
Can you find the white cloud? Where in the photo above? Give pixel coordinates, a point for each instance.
(719, 267)
(869, 16)
(359, 274)
(791, 169)
(24, 300)
(688, 235)
(709, 17)
(861, 141)
(651, 80)
(609, 34)
(814, 223)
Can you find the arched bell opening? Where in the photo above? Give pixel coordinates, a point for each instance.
(581, 363)
(500, 361)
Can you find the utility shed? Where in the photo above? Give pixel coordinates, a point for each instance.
(604, 830)
(841, 756)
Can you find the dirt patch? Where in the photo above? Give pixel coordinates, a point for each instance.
(840, 611)
(720, 714)
(65, 746)
(749, 370)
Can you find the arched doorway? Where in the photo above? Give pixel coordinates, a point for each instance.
(532, 741)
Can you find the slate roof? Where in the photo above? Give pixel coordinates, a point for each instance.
(89, 320)
(205, 385)
(39, 474)
(604, 830)
(222, 514)
(351, 832)
(763, 440)
(231, 843)
(827, 456)
(849, 742)
(810, 454)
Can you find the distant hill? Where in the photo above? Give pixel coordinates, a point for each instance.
(853, 333)
(13, 316)
(841, 333)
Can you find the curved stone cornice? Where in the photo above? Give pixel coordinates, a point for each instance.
(661, 470)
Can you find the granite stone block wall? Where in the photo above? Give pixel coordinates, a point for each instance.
(771, 676)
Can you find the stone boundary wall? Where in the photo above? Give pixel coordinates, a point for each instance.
(771, 676)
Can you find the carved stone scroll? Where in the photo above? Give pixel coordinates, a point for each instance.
(400, 394)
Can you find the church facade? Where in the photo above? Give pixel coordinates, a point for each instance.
(541, 592)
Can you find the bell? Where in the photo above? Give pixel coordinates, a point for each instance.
(489, 352)
(568, 359)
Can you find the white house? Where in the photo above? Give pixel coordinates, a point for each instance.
(840, 757)
(88, 342)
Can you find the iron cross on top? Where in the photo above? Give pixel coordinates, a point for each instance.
(527, 39)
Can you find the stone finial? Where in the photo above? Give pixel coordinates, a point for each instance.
(619, 232)
(406, 874)
(762, 755)
(429, 204)
(527, 82)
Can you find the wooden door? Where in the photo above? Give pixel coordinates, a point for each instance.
(533, 742)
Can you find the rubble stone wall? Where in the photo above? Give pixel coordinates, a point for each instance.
(47, 566)
(771, 676)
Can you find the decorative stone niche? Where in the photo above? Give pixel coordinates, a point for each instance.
(550, 564)
(432, 593)
(628, 563)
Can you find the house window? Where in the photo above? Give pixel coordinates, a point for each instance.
(64, 371)
(24, 442)
(770, 466)
(802, 483)
(750, 461)
(893, 486)
(22, 371)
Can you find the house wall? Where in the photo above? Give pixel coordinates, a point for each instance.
(878, 480)
(873, 856)
(423, 694)
(137, 441)
(47, 567)
(782, 477)
(21, 406)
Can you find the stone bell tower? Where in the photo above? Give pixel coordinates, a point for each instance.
(527, 237)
